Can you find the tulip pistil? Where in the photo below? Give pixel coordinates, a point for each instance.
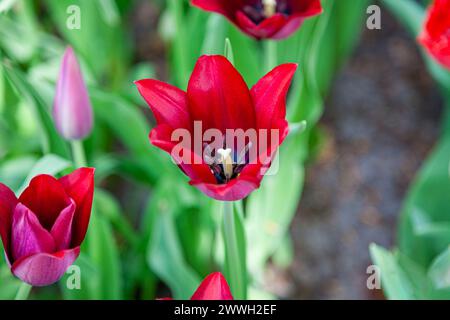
(269, 7)
(226, 164)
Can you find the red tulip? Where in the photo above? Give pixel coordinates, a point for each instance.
(213, 287)
(43, 229)
(435, 36)
(218, 98)
(262, 19)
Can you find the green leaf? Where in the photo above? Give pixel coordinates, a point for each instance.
(100, 40)
(103, 253)
(10, 284)
(229, 51)
(14, 171)
(165, 257)
(88, 282)
(395, 282)
(271, 209)
(235, 249)
(109, 108)
(52, 142)
(409, 12)
(6, 5)
(439, 271)
(216, 32)
(49, 164)
(425, 217)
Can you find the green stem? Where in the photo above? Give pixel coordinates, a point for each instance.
(79, 157)
(121, 223)
(233, 259)
(180, 43)
(271, 54)
(23, 292)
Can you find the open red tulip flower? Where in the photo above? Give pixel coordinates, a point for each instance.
(43, 229)
(229, 134)
(213, 287)
(435, 36)
(263, 19)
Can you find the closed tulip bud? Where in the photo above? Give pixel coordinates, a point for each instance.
(42, 230)
(72, 110)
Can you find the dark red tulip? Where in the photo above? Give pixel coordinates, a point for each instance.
(218, 98)
(213, 287)
(263, 19)
(43, 229)
(435, 36)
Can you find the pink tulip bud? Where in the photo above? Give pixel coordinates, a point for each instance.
(72, 110)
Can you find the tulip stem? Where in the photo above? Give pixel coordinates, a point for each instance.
(78, 154)
(271, 54)
(235, 257)
(23, 292)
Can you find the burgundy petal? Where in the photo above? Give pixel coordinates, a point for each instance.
(214, 287)
(28, 237)
(79, 185)
(44, 269)
(46, 198)
(62, 229)
(266, 29)
(218, 95)
(235, 190)
(167, 102)
(306, 8)
(8, 202)
(290, 26)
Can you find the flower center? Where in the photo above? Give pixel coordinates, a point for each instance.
(225, 164)
(264, 9)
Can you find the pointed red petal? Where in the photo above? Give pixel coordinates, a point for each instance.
(214, 287)
(79, 185)
(306, 8)
(234, 190)
(269, 95)
(46, 198)
(8, 202)
(167, 102)
(266, 29)
(218, 95)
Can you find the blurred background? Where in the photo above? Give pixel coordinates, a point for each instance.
(374, 115)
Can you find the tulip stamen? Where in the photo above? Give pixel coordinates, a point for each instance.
(225, 164)
(270, 7)
(226, 161)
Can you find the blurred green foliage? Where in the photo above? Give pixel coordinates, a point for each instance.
(419, 268)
